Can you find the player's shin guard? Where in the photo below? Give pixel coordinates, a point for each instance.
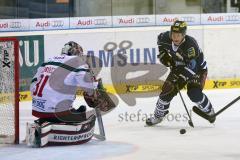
(205, 105)
(160, 111)
(161, 108)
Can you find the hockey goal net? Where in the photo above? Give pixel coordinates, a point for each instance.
(9, 91)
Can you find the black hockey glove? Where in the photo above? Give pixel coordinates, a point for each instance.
(183, 72)
(195, 79)
(165, 58)
(178, 79)
(198, 80)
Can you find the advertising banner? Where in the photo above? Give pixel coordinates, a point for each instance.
(90, 22)
(220, 18)
(31, 56)
(114, 54)
(7, 25)
(166, 20)
(49, 24)
(133, 20)
(14, 25)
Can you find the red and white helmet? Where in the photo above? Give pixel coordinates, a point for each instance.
(72, 49)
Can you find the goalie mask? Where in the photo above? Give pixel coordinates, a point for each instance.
(72, 49)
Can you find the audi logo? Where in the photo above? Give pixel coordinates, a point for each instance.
(101, 21)
(15, 24)
(143, 20)
(232, 18)
(57, 23)
(188, 19)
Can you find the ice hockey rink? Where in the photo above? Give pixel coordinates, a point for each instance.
(128, 139)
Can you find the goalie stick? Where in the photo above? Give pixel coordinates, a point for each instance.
(101, 136)
(211, 118)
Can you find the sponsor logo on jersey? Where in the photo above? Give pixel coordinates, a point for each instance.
(192, 64)
(191, 52)
(39, 103)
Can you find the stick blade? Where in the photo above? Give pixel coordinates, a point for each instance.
(190, 123)
(211, 119)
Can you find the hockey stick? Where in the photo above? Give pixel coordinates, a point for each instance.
(226, 107)
(101, 136)
(190, 119)
(211, 118)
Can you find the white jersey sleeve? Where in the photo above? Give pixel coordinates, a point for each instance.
(85, 80)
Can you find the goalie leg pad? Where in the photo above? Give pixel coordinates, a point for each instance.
(48, 134)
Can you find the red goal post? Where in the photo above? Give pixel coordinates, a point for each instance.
(9, 90)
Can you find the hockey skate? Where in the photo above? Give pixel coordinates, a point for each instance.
(153, 121)
(206, 115)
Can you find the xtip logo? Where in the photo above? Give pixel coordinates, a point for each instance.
(217, 84)
(6, 62)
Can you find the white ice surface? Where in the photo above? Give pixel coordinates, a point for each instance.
(128, 139)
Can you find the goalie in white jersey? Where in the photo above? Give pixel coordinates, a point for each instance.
(54, 86)
(53, 91)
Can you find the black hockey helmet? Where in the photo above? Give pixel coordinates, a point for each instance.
(179, 27)
(72, 49)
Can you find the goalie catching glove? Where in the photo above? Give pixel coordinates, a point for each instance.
(99, 99)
